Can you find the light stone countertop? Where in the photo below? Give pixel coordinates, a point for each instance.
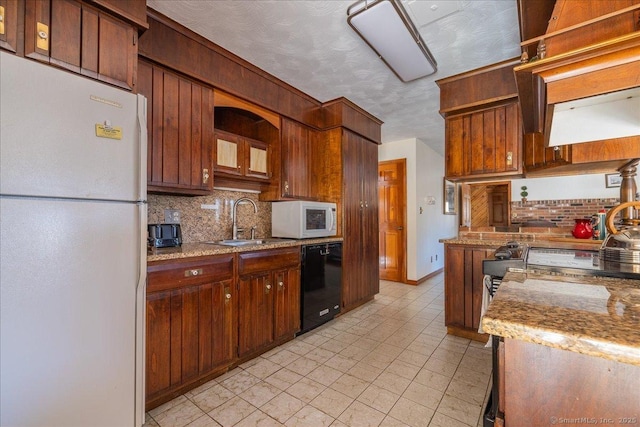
(596, 316)
(188, 250)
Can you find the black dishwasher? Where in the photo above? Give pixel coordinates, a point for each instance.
(321, 284)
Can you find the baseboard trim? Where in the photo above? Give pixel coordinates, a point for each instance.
(466, 333)
(425, 278)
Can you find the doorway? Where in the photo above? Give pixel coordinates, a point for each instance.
(392, 200)
(486, 204)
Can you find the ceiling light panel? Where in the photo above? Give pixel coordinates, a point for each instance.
(387, 29)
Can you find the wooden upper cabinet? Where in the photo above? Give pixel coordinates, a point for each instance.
(241, 156)
(484, 144)
(12, 17)
(180, 132)
(587, 157)
(83, 39)
(296, 159)
(589, 28)
(483, 125)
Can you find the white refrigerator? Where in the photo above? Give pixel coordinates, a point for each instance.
(72, 249)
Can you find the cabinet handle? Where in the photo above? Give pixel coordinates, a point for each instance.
(227, 294)
(361, 204)
(286, 187)
(193, 273)
(205, 176)
(42, 31)
(366, 204)
(509, 158)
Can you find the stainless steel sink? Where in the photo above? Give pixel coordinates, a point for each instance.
(246, 242)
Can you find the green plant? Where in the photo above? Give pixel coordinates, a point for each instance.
(524, 193)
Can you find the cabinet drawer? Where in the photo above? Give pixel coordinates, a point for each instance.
(259, 261)
(163, 275)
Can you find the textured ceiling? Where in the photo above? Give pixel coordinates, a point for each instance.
(308, 44)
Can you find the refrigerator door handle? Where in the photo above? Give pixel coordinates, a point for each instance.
(142, 146)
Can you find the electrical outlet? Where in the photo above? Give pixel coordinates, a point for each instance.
(172, 216)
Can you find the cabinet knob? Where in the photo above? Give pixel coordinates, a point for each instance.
(227, 296)
(268, 287)
(192, 273)
(281, 284)
(205, 176)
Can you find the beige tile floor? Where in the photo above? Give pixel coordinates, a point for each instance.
(387, 363)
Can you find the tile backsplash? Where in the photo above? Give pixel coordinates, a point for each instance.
(201, 224)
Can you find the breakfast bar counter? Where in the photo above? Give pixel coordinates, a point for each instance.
(566, 350)
(595, 316)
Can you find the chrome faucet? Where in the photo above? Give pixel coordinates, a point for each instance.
(234, 217)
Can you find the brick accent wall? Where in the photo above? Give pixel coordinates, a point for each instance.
(561, 212)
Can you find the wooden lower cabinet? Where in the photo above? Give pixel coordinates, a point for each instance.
(463, 282)
(191, 324)
(546, 386)
(203, 317)
(269, 299)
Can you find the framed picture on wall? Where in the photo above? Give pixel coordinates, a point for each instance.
(613, 180)
(450, 198)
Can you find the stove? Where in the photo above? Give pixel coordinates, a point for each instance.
(511, 255)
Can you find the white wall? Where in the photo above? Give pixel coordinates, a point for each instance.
(425, 169)
(591, 186)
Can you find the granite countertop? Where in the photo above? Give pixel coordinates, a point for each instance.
(596, 316)
(537, 241)
(188, 250)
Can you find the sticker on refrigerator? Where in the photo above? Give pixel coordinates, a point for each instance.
(105, 130)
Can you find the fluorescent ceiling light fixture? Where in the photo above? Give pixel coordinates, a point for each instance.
(385, 26)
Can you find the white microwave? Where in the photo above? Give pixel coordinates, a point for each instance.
(303, 219)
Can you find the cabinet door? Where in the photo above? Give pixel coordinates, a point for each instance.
(457, 131)
(287, 302)
(117, 52)
(464, 284)
(217, 335)
(353, 207)
(495, 140)
(255, 313)
(296, 159)
(172, 338)
(82, 39)
(484, 143)
(360, 204)
(257, 159)
(180, 131)
(370, 223)
(454, 286)
(9, 25)
(229, 154)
